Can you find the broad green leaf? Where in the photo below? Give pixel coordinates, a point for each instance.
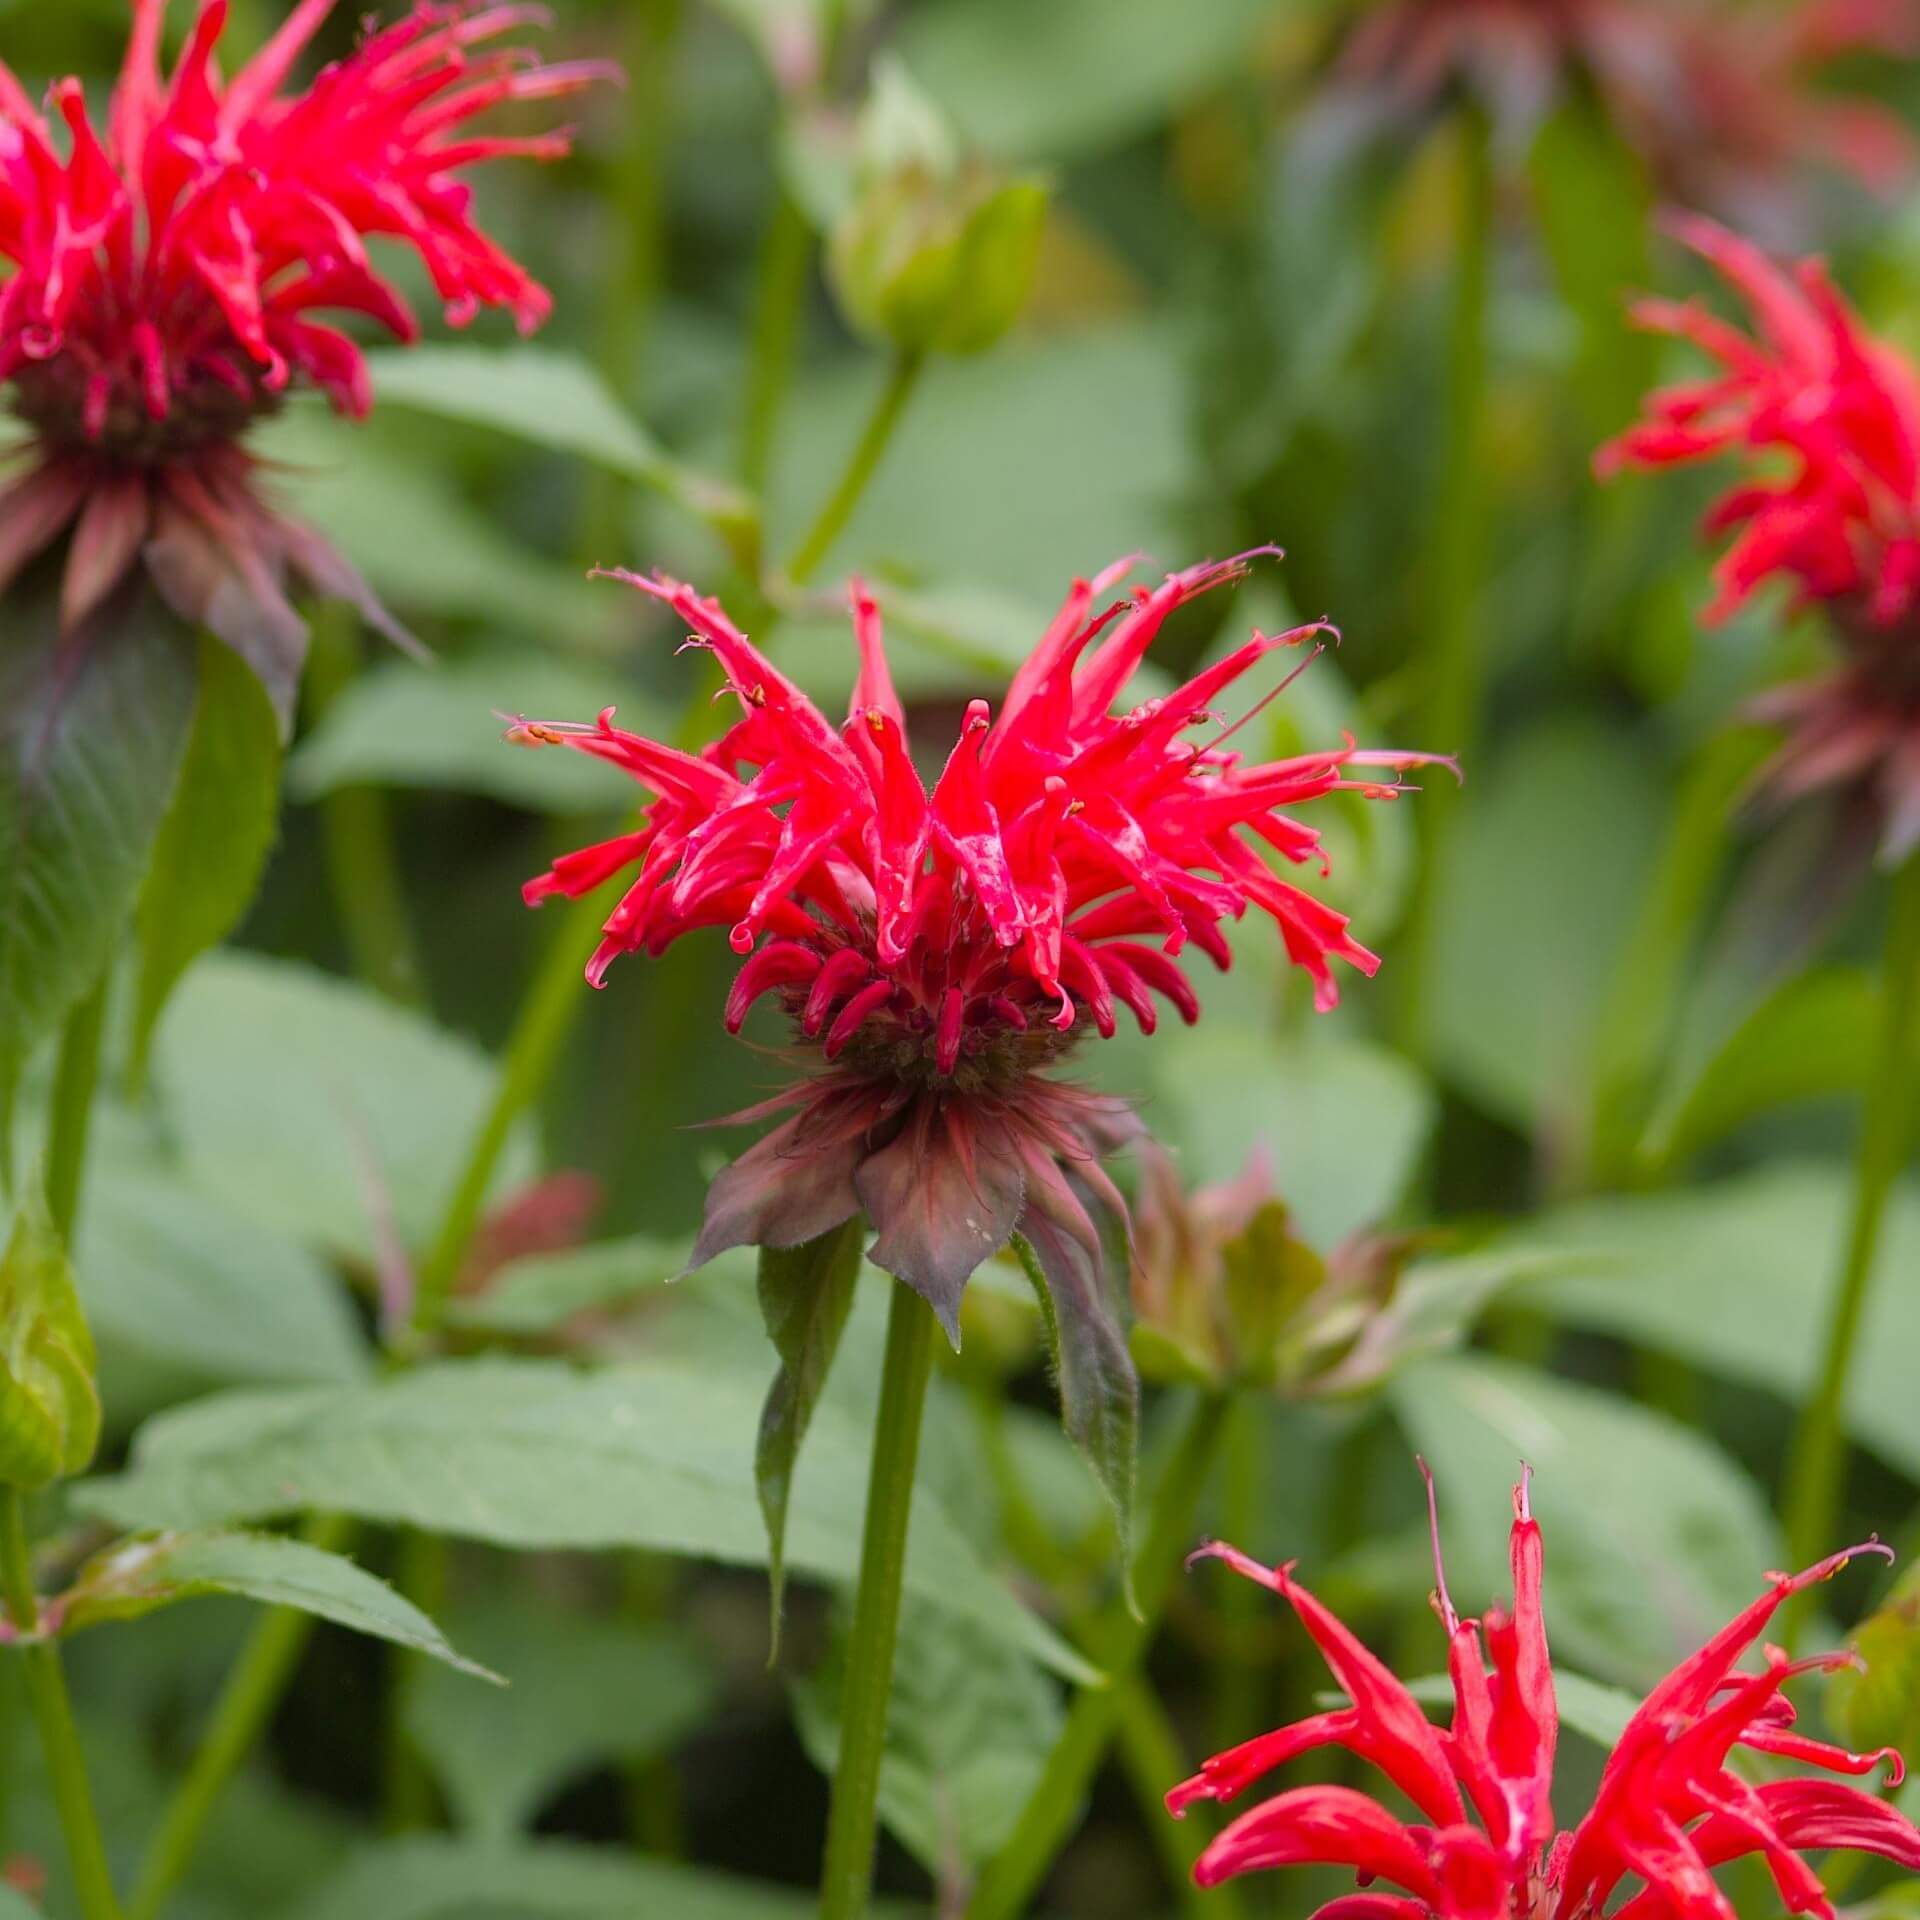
(1654, 1537)
(969, 1727)
(16, 1906)
(540, 1293)
(359, 1092)
(1734, 1277)
(397, 726)
(1343, 1121)
(92, 732)
(1089, 73)
(584, 1693)
(415, 539)
(216, 836)
(535, 1454)
(1814, 1036)
(554, 400)
(133, 1577)
(1555, 843)
(49, 1403)
(175, 1278)
(805, 1295)
(444, 1879)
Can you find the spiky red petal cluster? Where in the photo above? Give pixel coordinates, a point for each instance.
(938, 946)
(1668, 1809)
(1057, 840)
(167, 276)
(1830, 418)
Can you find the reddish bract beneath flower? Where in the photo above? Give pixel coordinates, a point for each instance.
(167, 275)
(1839, 523)
(1668, 1809)
(948, 942)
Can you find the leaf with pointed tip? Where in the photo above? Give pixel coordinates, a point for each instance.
(806, 1293)
(216, 836)
(1092, 1364)
(93, 728)
(133, 1577)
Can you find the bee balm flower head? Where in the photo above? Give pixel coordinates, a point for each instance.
(1827, 419)
(1667, 1812)
(939, 949)
(170, 272)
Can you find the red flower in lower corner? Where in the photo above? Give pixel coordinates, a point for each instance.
(1828, 418)
(1668, 1811)
(938, 949)
(168, 274)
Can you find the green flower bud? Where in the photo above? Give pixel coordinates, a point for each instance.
(49, 1405)
(931, 253)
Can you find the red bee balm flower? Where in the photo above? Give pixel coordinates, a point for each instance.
(940, 949)
(166, 279)
(1839, 521)
(1668, 1809)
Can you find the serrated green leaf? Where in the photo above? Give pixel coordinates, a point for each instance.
(435, 1878)
(93, 728)
(1654, 1537)
(361, 1091)
(970, 1724)
(169, 1276)
(806, 1293)
(552, 399)
(585, 1692)
(540, 1293)
(1092, 1364)
(536, 1454)
(216, 836)
(49, 1404)
(397, 726)
(133, 1577)
(1815, 1036)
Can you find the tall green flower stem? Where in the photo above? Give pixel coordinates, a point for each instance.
(1151, 1754)
(356, 828)
(846, 1877)
(1014, 1876)
(46, 1689)
(902, 377)
(1816, 1475)
(779, 306)
(253, 1688)
(1456, 563)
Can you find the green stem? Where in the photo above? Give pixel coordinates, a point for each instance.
(540, 1031)
(778, 308)
(246, 1703)
(1456, 658)
(846, 1876)
(1816, 1477)
(902, 376)
(1012, 1878)
(356, 828)
(53, 1716)
(1151, 1753)
(407, 1789)
(75, 1077)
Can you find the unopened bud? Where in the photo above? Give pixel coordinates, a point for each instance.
(49, 1405)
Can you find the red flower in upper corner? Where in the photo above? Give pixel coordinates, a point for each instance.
(1668, 1809)
(167, 277)
(1722, 101)
(1838, 518)
(938, 949)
